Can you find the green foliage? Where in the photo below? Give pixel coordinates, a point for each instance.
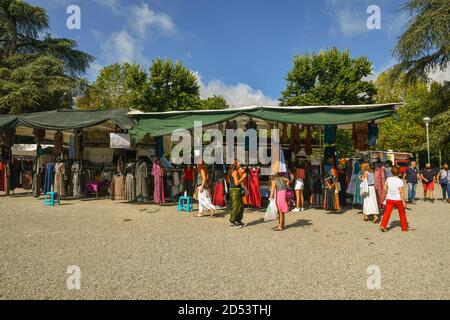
(329, 77)
(168, 87)
(214, 103)
(420, 100)
(38, 72)
(172, 87)
(344, 143)
(117, 86)
(425, 45)
(30, 83)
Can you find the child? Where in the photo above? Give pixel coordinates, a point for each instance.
(279, 186)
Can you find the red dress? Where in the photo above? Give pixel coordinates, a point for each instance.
(254, 197)
(219, 194)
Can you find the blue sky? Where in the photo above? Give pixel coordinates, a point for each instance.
(241, 49)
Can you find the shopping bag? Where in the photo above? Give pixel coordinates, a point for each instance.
(271, 212)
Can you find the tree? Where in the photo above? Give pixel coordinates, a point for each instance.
(38, 72)
(425, 45)
(117, 86)
(408, 134)
(214, 103)
(330, 77)
(171, 87)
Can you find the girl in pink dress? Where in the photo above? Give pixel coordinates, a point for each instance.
(278, 187)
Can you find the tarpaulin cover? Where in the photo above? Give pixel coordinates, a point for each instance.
(7, 122)
(159, 124)
(67, 119)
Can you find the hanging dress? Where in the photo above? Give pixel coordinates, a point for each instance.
(379, 180)
(357, 199)
(76, 180)
(130, 183)
(158, 182)
(142, 182)
(219, 194)
(254, 197)
(60, 171)
(3, 177)
(48, 179)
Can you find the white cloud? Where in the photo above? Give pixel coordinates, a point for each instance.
(145, 21)
(142, 24)
(439, 75)
(122, 47)
(238, 95)
(351, 23)
(113, 5)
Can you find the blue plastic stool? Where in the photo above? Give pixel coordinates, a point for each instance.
(52, 200)
(185, 204)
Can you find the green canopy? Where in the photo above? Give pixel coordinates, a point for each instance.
(163, 123)
(67, 119)
(7, 122)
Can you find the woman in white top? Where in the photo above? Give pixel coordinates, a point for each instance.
(370, 205)
(394, 198)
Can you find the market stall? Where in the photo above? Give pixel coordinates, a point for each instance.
(313, 160)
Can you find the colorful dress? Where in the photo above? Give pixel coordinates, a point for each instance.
(254, 197)
(379, 180)
(158, 182)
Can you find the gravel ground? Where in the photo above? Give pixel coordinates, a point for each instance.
(128, 251)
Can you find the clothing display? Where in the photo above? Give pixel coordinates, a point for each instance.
(59, 183)
(48, 179)
(117, 187)
(4, 176)
(295, 138)
(76, 180)
(308, 141)
(379, 180)
(58, 143)
(219, 193)
(141, 175)
(360, 136)
(130, 187)
(254, 197)
(158, 182)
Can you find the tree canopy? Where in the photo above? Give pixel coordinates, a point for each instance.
(38, 72)
(421, 100)
(329, 77)
(425, 45)
(169, 86)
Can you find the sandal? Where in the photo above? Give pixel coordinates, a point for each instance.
(383, 229)
(376, 219)
(199, 215)
(277, 229)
